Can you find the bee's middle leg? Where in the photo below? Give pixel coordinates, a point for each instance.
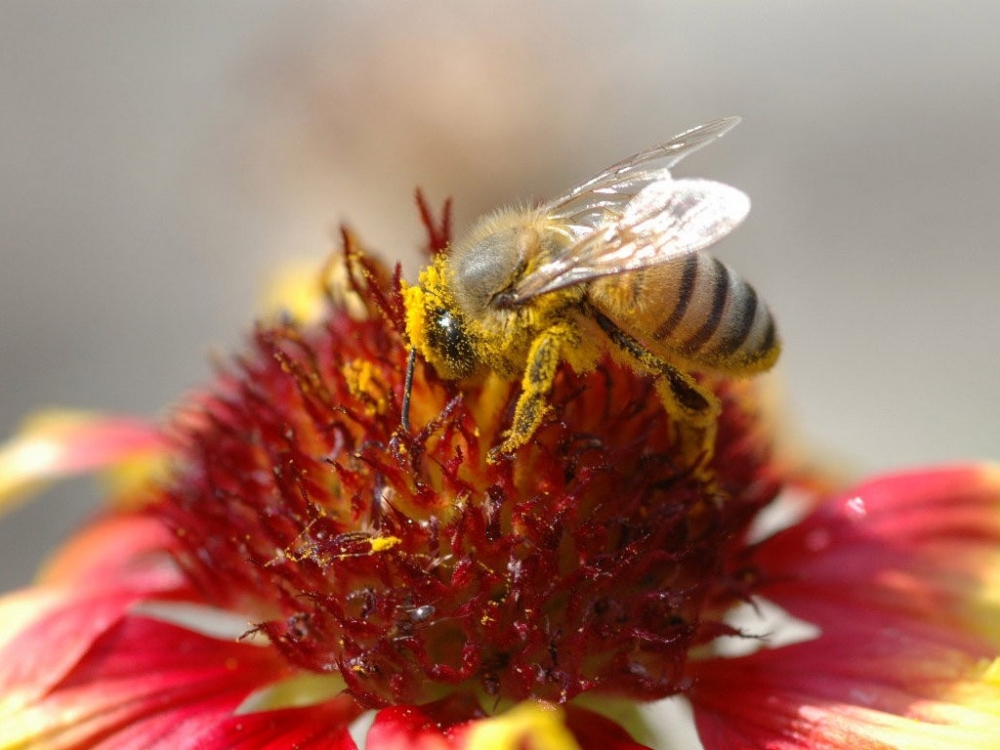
(536, 385)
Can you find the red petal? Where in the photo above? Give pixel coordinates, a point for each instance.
(924, 545)
(61, 443)
(89, 671)
(52, 636)
(124, 550)
(427, 727)
(320, 727)
(898, 576)
(744, 703)
(822, 694)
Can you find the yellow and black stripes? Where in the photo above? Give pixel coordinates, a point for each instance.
(685, 291)
(719, 296)
(711, 317)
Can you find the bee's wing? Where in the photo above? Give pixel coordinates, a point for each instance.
(667, 219)
(644, 167)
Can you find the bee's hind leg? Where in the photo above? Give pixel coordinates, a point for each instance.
(536, 385)
(693, 407)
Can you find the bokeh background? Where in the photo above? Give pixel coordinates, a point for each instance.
(158, 160)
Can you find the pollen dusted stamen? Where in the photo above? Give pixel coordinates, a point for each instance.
(594, 561)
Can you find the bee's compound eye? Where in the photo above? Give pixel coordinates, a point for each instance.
(447, 336)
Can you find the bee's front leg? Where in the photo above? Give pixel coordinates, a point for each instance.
(536, 385)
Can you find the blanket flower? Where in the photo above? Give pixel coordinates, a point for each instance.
(289, 567)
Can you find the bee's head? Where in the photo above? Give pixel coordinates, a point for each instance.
(486, 265)
(436, 326)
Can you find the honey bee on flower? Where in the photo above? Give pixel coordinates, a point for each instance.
(614, 264)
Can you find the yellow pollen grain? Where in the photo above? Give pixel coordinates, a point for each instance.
(382, 543)
(364, 385)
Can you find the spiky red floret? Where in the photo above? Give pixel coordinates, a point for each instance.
(405, 561)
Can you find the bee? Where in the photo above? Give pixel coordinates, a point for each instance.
(613, 265)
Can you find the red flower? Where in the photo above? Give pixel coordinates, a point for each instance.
(305, 560)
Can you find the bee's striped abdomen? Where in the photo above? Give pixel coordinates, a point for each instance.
(682, 298)
(723, 323)
(696, 308)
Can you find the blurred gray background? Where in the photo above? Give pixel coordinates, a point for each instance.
(159, 159)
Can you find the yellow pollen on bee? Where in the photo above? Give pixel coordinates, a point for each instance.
(415, 301)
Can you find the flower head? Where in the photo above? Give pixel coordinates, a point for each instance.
(306, 558)
(412, 566)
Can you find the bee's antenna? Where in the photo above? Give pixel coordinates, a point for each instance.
(408, 388)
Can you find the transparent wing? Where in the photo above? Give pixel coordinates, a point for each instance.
(665, 220)
(619, 182)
